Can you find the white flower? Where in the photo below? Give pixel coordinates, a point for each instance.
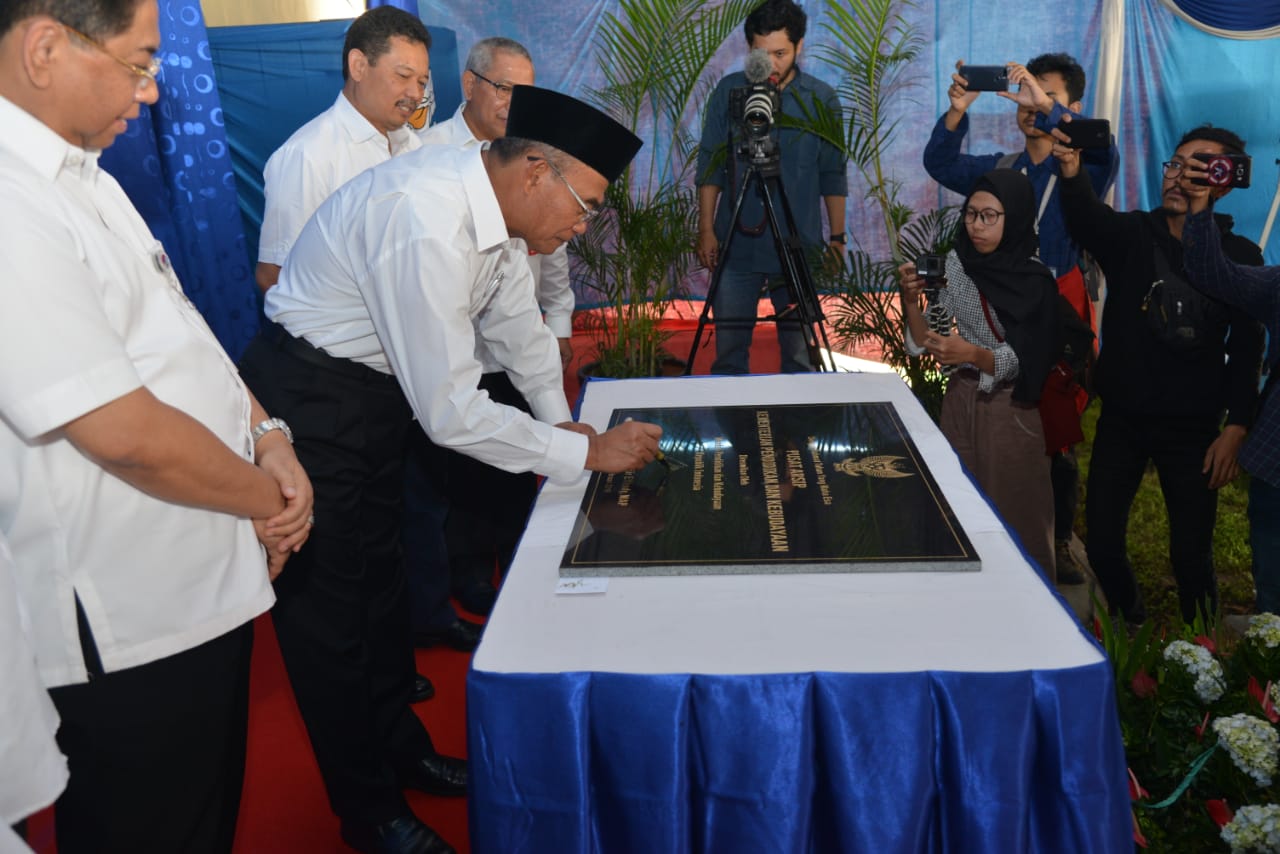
(1274, 693)
(1266, 629)
(1201, 664)
(1254, 828)
(1253, 744)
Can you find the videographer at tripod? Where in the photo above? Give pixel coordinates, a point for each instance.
(812, 175)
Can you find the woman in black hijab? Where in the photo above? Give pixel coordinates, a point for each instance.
(1003, 303)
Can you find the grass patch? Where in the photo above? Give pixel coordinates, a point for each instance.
(1149, 539)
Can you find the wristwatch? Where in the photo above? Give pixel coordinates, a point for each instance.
(837, 238)
(265, 427)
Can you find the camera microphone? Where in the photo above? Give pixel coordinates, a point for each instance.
(757, 67)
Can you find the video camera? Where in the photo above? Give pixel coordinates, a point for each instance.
(754, 107)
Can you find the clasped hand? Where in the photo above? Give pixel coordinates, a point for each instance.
(284, 533)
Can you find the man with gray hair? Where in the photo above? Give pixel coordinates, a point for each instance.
(463, 516)
(374, 323)
(139, 479)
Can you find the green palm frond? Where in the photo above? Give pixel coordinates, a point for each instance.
(654, 55)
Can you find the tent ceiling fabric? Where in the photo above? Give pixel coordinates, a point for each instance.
(1235, 19)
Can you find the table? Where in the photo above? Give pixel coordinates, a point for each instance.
(852, 712)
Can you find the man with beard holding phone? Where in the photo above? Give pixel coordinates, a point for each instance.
(1173, 363)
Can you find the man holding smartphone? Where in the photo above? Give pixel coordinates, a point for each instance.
(1173, 363)
(1049, 87)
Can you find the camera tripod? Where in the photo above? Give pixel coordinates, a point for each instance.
(804, 309)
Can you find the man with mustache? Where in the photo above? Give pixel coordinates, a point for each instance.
(385, 69)
(1163, 396)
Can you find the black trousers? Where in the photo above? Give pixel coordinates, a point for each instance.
(342, 618)
(488, 507)
(462, 516)
(1064, 474)
(156, 752)
(1122, 446)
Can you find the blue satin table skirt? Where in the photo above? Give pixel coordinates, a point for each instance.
(813, 762)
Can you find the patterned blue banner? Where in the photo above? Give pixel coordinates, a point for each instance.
(175, 164)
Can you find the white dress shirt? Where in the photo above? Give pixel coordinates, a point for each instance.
(89, 311)
(33, 772)
(320, 157)
(550, 272)
(402, 269)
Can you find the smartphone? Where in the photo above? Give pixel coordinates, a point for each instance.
(1225, 170)
(1087, 133)
(986, 78)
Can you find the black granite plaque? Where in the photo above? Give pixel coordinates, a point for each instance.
(770, 489)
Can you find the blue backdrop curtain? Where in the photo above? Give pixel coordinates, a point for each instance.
(175, 165)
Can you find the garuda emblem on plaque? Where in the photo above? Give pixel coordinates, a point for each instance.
(875, 466)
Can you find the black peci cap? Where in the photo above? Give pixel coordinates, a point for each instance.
(575, 128)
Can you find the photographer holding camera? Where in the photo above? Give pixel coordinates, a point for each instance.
(810, 169)
(1049, 87)
(1004, 303)
(1255, 290)
(1173, 362)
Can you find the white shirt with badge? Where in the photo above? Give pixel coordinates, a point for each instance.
(33, 772)
(317, 159)
(401, 270)
(550, 272)
(90, 310)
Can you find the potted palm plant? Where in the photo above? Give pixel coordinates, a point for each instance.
(654, 56)
(871, 47)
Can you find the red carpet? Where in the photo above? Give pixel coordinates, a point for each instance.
(284, 808)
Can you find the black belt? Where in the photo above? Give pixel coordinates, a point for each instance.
(299, 348)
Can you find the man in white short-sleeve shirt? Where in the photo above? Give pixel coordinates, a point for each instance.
(376, 318)
(32, 770)
(137, 474)
(385, 69)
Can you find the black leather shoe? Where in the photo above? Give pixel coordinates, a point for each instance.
(462, 635)
(401, 835)
(477, 597)
(436, 775)
(423, 690)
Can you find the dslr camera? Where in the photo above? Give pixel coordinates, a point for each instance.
(931, 267)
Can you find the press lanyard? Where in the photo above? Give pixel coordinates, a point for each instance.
(1044, 198)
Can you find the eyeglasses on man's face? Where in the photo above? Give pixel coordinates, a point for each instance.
(504, 90)
(988, 216)
(146, 74)
(588, 213)
(1172, 168)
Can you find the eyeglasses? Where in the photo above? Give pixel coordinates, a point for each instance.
(989, 216)
(1172, 168)
(146, 74)
(504, 90)
(588, 213)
